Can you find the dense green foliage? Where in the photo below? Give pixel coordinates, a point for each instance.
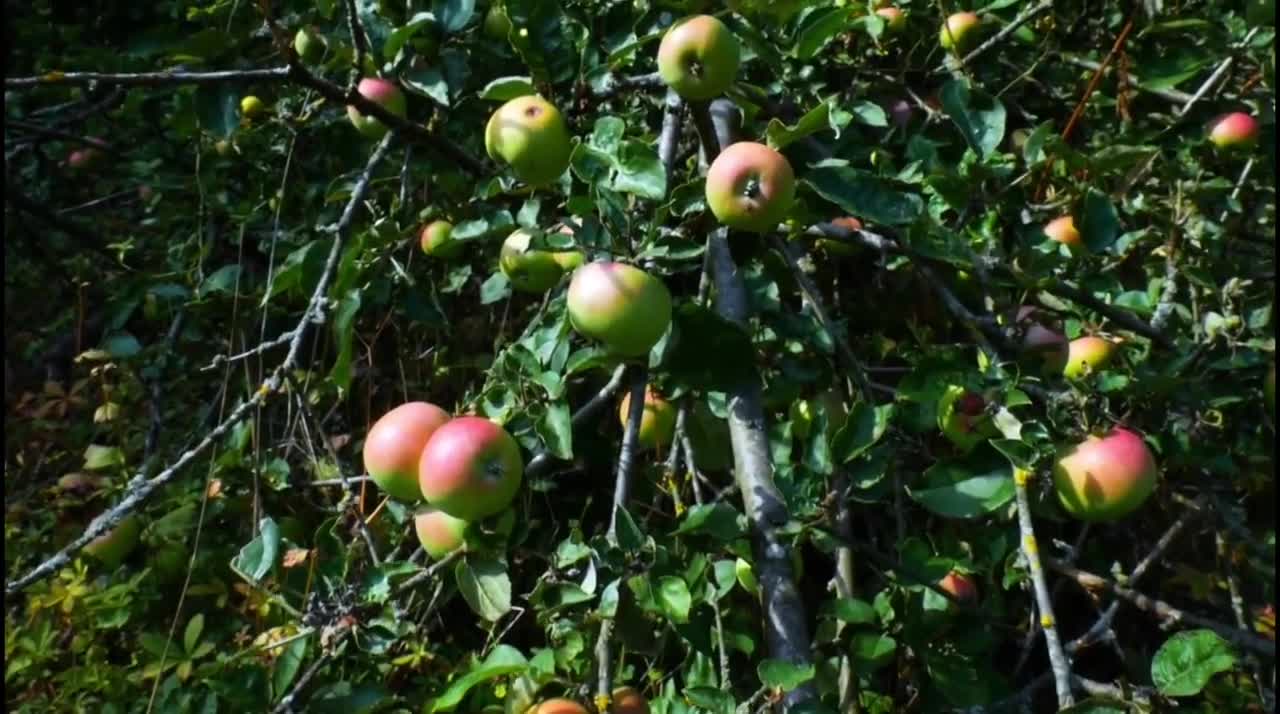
(191, 234)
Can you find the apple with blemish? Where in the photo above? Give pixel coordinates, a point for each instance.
(750, 187)
(657, 420)
(470, 469)
(383, 93)
(530, 135)
(963, 418)
(621, 306)
(394, 446)
(439, 533)
(1086, 355)
(698, 57)
(1105, 478)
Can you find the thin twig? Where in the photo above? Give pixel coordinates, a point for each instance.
(1009, 29)
(148, 79)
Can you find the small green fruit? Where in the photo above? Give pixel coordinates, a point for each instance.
(309, 45)
(252, 107)
(532, 270)
(436, 240)
(496, 23)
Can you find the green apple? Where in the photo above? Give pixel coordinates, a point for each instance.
(252, 107)
(436, 240)
(1086, 355)
(497, 24)
(657, 420)
(530, 135)
(439, 533)
(750, 187)
(533, 270)
(309, 45)
(699, 57)
(621, 306)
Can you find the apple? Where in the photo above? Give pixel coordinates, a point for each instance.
(436, 241)
(394, 446)
(112, 547)
(1086, 355)
(309, 45)
(750, 187)
(558, 706)
(894, 19)
(960, 32)
(1063, 230)
(841, 247)
(439, 532)
(900, 111)
(496, 23)
(88, 156)
(1105, 478)
(1269, 389)
(657, 421)
(1041, 342)
(699, 57)
(628, 700)
(959, 586)
(530, 135)
(709, 437)
(619, 305)
(534, 271)
(470, 469)
(1236, 130)
(963, 418)
(382, 92)
(252, 107)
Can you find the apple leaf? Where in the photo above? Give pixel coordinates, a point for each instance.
(817, 29)
(1099, 224)
(864, 427)
(865, 195)
(507, 88)
(101, 457)
(1186, 662)
(401, 35)
(485, 586)
(556, 430)
(782, 675)
(343, 331)
(672, 595)
(779, 135)
(855, 611)
(980, 116)
(218, 108)
(257, 558)
(454, 14)
(503, 660)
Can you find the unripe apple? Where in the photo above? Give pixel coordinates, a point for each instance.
(309, 45)
(496, 23)
(894, 19)
(471, 468)
(1105, 478)
(439, 532)
(394, 446)
(532, 270)
(1086, 355)
(657, 421)
(963, 418)
(960, 32)
(621, 306)
(750, 187)
(1041, 343)
(628, 700)
(1063, 230)
(382, 92)
(436, 240)
(959, 586)
(558, 706)
(1236, 130)
(530, 135)
(112, 547)
(698, 57)
(251, 107)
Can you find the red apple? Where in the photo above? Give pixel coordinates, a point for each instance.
(698, 57)
(530, 135)
(619, 305)
(471, 468)
(628, 700)
(1086, 355)
(394, 446)
(657, 421)
(378, 91)
(1041, 342)
(439, 532)
(1234, 131)
(960, 32)
(87, 156)
(750, 187)
(436, 241)
(558, 706)
(1105, 478)
(959, 586)
(894, 19)
(1064, 231)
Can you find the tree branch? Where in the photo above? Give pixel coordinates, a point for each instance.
(1044, 602)
(539, 464)
(149, 79)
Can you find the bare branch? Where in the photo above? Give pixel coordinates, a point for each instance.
(1044, 602)
(149, 79)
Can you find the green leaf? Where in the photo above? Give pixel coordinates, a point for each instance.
(817, 29)
(502, 661)
(191, 635)
(672, 595)
(257, 558)
(102, 457)
(980, 116)
(638, 171)
(718, 520)
(222, 280)
(430, 82)
(966, 489)
(401, 35)
(779, 135)
(288, 665)
(784, 676)
(496, 288)
(454, 14)
(854, 611)
(865, 195)
(485, 586)
(871, 650)
(555, 428)
(864, 427)
(869, 113)
(507, 88)
(343, 330)
(218, 108)
(375, 586)
(121, 345)
(630, 537)
(1099, 225)
(1186, 662)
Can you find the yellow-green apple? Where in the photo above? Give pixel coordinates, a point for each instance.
(1236, 130)
(959, 586)
(1105, 478)
(750, 187)
(963, 418)
(1063, 230)
(628, 700)
(439, 533)
(530, 135)
(960, 31)
(112, 547)
(252, 107)
(471, 468)
(894, 19)
(1041, 342)
(381, 92)
(1086, 355)
(657, 421)
(533, 270)
(436, 240)
(496, 22)
(621, 306)
(698, 57)
(394, 446)
(309, 45)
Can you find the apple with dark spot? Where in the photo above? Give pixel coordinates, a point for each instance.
(698, 57)
(1086, 355)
